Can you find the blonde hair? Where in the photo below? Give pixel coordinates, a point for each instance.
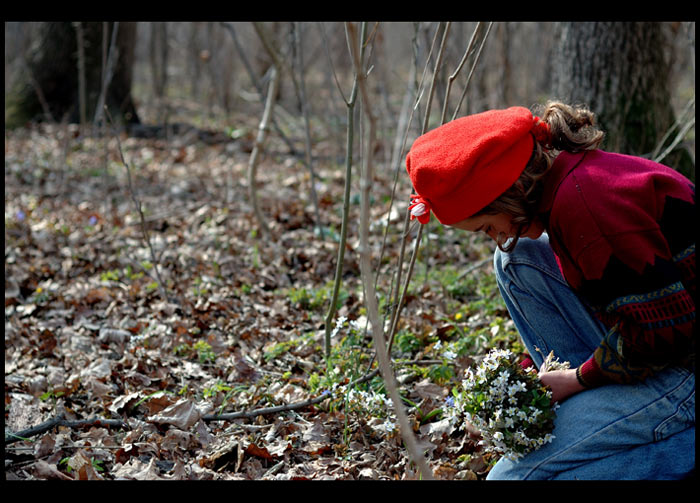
(572, 129)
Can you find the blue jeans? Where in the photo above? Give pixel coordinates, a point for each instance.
(634, 432)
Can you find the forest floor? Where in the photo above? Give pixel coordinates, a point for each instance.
(89, 335)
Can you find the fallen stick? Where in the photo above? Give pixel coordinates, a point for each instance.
(11, 437)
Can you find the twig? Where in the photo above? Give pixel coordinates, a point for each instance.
(398, 298)
(256, 84)
(274, 469)
(61, 421)
(279, 65)
(37, 89)
(137, 204)
(259, 146)
(438, 63)
(264, 411)
(471, 72)
(681, 134)
(474, 267)
(107, 73)
(452, 77)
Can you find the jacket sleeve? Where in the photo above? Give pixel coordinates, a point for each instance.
(652, 320)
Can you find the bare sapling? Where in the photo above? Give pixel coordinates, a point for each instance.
(109, 60)
(279, 64)
(304, 104)
(256, 82)
(416, 245)
(259, 145)
(377, 327)
(350, 134)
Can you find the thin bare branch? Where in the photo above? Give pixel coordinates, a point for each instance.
(330, 61)
(107, 73)
(454, 75)
(280, 66)
(399, 305)
(137, 205)
(685, 121)
(438, 63)
(471, 72)
(407, 221)
(300, 89)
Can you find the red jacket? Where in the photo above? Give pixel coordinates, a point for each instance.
(623, 230)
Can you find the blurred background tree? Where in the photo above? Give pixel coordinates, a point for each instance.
(63, 67)
(622, 71)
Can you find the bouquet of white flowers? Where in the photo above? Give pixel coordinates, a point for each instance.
(508, 404)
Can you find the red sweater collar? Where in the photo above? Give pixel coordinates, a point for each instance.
(561, 167)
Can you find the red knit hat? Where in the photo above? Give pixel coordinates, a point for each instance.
(464, 165)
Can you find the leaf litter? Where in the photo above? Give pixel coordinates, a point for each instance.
(88, 334)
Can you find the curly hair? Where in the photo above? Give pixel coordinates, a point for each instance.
(572, 129)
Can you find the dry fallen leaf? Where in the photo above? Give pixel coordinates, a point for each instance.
(182, 414)
(135, 469)
(46, 471)
(123, 402)
(81, 464)
(99, 369)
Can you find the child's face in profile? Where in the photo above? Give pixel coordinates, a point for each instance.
(498, 227)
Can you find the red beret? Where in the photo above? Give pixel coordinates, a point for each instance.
(462, 166)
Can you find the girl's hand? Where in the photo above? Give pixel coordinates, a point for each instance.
(562, 382)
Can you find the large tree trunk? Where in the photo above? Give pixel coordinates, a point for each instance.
(52, 71)
(621, 72)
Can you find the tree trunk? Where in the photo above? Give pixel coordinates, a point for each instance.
(159, 67)
(619, 70)
(52, 63)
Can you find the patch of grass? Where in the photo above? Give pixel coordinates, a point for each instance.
(278, 349)
(201, 350)
(315, 299)
(407, 342)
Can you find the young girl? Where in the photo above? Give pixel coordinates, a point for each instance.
(596, 262)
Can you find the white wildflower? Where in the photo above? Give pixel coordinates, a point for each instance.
(509, 405)
(389, 426)
(338, 325)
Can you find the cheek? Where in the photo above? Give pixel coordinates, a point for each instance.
(506, 230)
